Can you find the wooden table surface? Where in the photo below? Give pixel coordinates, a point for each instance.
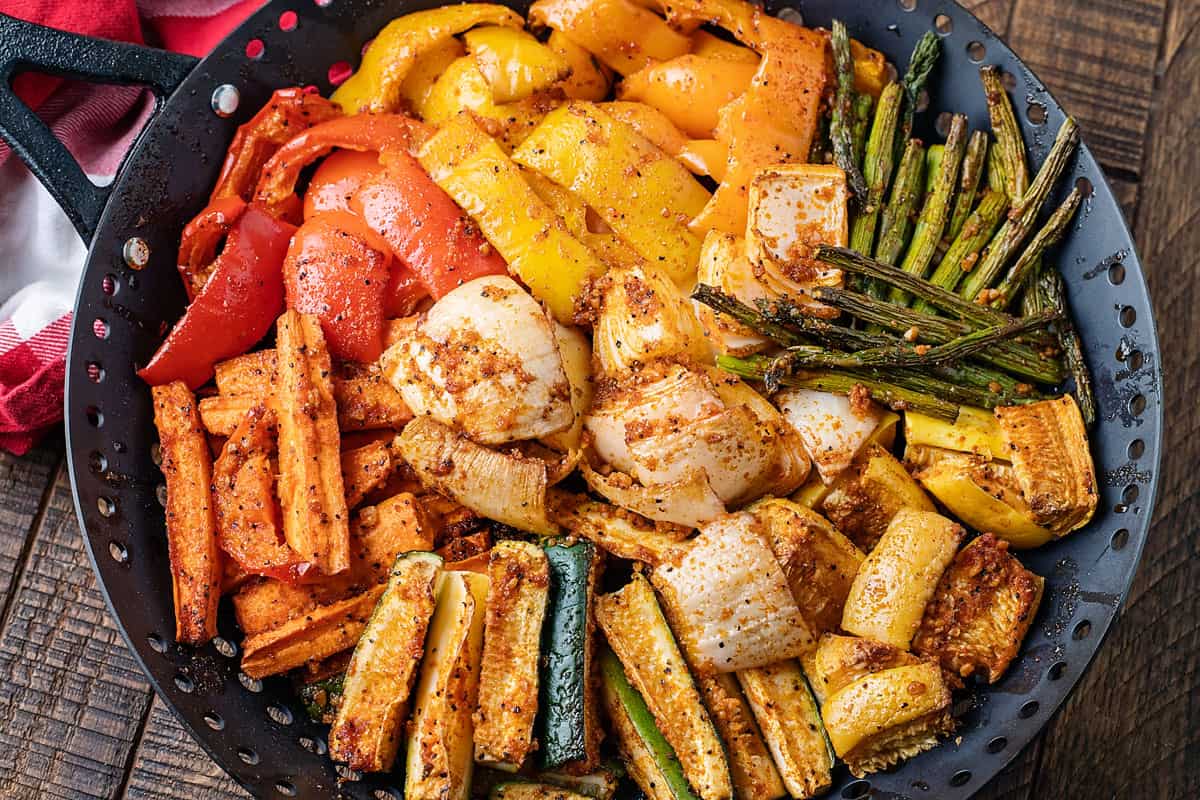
(78, 720)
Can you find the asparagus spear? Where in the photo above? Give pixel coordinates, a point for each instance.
(1008, 133)
(1047, 237)
(920, 64)
(864, 104)
(1033, 300)
(1050, 285)
(998, 383)
(717, 300)
(878, 163)
(841, 129)
(849, 261)
(1023, 215)
(842, 382)
(899, 355)
(997, 178)
(896, 222)
(973, 166)
(936, 212)
(1014, 357)
(783, 312)
(981, 397)
(965, 250)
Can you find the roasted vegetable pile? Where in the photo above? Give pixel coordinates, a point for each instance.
(625, 395)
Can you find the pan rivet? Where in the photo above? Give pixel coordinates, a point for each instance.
(225, 100)
(136, 252)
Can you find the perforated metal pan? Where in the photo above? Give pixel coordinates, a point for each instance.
(256, 730)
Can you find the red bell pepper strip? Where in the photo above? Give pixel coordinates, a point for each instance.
(337, 178)
(425, 228)
(236, 307)
(201, 237)
(287, 113)
(383, 133)
(339, 270)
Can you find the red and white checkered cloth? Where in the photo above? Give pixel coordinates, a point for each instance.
(41, 255)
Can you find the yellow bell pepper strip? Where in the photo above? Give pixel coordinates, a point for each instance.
(870, 69)
(415, 89)
(689, 90)
(589, 79)
(375, 86)
(642, 193)
(472, 169)
(649, 122)
(514, 63)
(708, 46)
(608, 246)
(621, 34)
(463, 87)
(705, 157)
(776, 118)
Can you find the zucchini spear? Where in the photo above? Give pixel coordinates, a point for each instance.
(1023, 215)
(1008, 134)
(841, 129)
(936, 213)
(1002, 296)
(878, 163)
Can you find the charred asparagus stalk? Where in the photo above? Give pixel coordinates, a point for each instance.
(896, 222)
(1008, 134)
(997, 180)
(783, 312)
(1014, 357)
(1033, 299)
(974, 164)
(1050, 285)
(920, 65)
(1024, 214)
(864, 104)
(717, 300)
(964, 252)
(878, 163)
(841, 129)
(841, 382)
(1002, 296)
(936, 212)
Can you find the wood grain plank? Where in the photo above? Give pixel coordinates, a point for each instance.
(23, 485)
(1016, 780)
(169, 764)
(72, 697)
(994, 13)
(1098, 57)
(1136, 709)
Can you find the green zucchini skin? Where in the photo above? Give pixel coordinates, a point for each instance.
(566, 719)
(320, 698)
(664, 758)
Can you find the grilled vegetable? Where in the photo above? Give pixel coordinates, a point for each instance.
(897, 579)
(320, 698)
(589, 79)
(438, 761)
(863, 501)
(818, 562)
(523, 790)
(1052, 294)
(887, 716)
(514, 62)
(568, 727)
(974, 162)
(365, 469)
(790, 722)
(728, 600)
(639, 191)
(895, 223)
(1049, 450)
(576, 353)
(878, 163)
(374, 704)
(485, 359)
(638, 633)
(689, 501)
(651, 761)
(191, 523)
(508, 489)
(622, 34)
(599, 785)
(750, 766)
(617, 531)
(644, 316)
(724, 265)
(1009, 144)
(690, 89)
(519, 580)
(984, 496)
(975, 431)
(920, 65)
(842, 119)
(839, 661)
(981, 611)
(833, 427)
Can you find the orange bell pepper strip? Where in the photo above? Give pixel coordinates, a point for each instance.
(200, 239)
(288, 112)
(426, 229)
(621, 33)
(775, 121)
(337, 269)
(236, 307)
(689, 90)
(382, 133)
(376, 85)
